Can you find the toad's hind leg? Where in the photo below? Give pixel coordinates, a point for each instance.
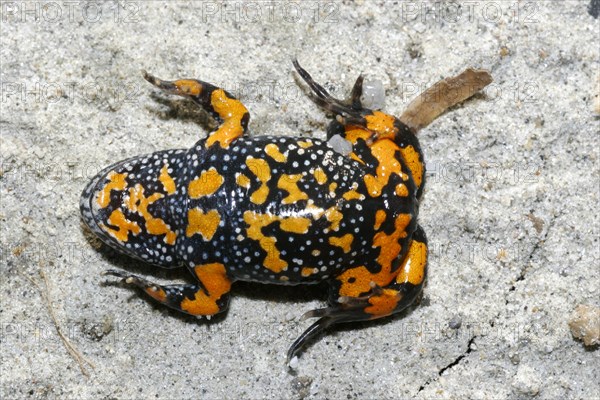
(377, 302)
(231, 114)
(209, 297)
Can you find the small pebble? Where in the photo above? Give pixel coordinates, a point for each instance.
(340, 145)
(373, 95)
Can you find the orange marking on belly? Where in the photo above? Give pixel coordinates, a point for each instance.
(138, 203)
(258, 221)
(307, 271)
(289, 183)
(206, 184)
(356, 281)
(356, 158)
(205, 224)
(412, 159)
(273, 151)
(124, 226)
(116, 182)
(401, 190)
(215, 283)
(345, 242)
(332, 187)
(255, 223)
(374, 186)
(294, 224)
(320, 176)
(390, 248)
(353, 195)
(379, 218)
(231, 111)
(166, 180)
(157, 226)
(334, 216)
(383, 151)
(242, 180)
(305, 144)
(413, 269)
(260, 168)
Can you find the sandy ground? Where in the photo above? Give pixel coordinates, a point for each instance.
(513, 179)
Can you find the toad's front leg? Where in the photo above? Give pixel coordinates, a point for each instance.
(231, 114)
(209, 297)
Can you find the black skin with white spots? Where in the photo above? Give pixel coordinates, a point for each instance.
(244, 258)
(142, 247)
(312, 226)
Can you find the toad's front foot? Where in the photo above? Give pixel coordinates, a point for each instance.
(209, 297)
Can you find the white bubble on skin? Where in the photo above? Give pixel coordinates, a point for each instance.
(373, 94)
